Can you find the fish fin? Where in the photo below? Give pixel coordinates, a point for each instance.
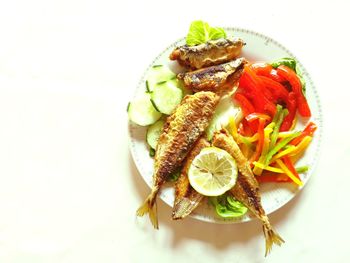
(186, 206)
(150, 207)
(271, 237)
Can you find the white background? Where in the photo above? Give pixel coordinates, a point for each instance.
(68, 185)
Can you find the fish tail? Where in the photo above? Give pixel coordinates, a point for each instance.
(150, 207)
(185, 206)
(271, 237)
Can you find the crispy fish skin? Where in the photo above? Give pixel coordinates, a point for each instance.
(213, 52)
(218, 79)
(181, 130)
(246, 189)
(186, 198)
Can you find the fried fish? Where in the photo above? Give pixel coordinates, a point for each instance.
(213, 52)
(181, 130)
(186, 198)
(246, 189)
(218, 79)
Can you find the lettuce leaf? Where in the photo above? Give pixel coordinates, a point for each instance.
(200, 32)
(227, 206)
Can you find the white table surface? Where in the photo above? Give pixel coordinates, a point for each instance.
(69, 188)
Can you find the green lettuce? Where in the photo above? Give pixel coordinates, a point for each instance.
(200, 32)
(227, 206)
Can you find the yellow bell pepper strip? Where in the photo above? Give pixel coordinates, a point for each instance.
(283, 153)
(268, 168)
(285, 134)
(288, 172)
(281, 113)
(279, 146)
(232, 127)
(268, 129)
(301, 147)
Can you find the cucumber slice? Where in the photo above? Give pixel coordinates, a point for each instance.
(153, 133)
(157, 75)
(166, 96)
(142, 112)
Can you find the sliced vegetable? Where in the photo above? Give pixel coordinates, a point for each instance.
(166, 97)
(142, 112)
(260, 144)
(301, 147)
(271, 177)
(293, 79)
(227, 206)
(251, 84)
(290, 166)
(158, 74)
(278, 118)
(200, 32)
(174, 176)
(268, 129)
(244, 103)
(289, 173)
(152, 152)
(153, 133)
(302, 169)
(288, 121)
(308, 131)
(268, 168)
(289, 62)
(279, 146)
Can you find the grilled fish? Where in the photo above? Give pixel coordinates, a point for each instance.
(186, 198)
(246, 189)
(218, 79)
(181, 130)
(213, 52)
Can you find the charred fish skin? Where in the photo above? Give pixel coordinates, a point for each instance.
(213, 52)
(180, 132)
(218, 79)
(186, 198)
(246, 189)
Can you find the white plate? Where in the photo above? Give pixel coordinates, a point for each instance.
(274, 195)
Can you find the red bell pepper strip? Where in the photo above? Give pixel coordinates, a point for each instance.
(273, 75)
(292, 109)
(250, 81)
(308, 131)
(244, 103)
(294, 81)
(271, 177)
(290, 166)
(278, 90)
(266, 70)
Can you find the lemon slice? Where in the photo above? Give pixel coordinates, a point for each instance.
(212, 172)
